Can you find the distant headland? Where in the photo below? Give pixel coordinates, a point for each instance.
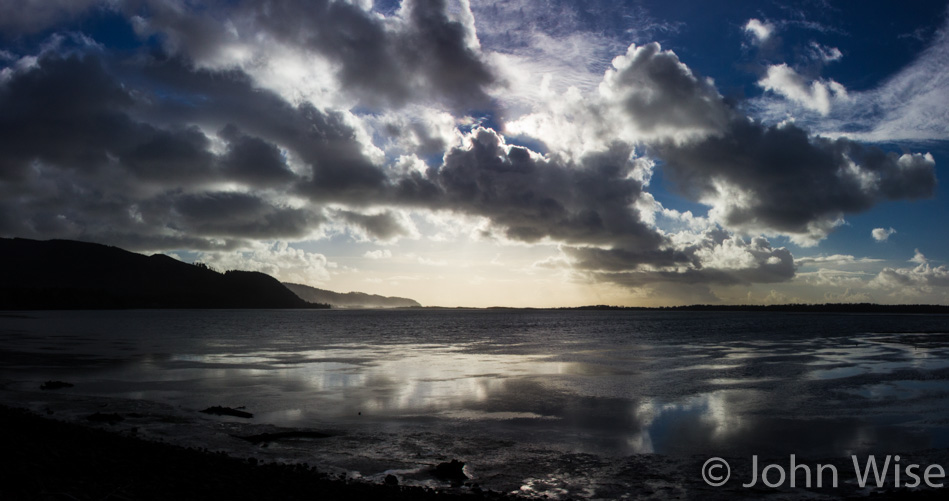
(350, 299)
(65, 274)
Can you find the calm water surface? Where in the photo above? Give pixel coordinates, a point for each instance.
(545, 402)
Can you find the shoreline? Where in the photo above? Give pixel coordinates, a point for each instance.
(46, 458)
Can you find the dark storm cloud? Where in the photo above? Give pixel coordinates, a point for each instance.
(661, 95)
(716, 258)
(252, 160)
(200, 32)
(175, 156)
(230, 213)
(787, 181)
(425, 55)
(87, 155)
(18, 16)
(590, 205)
(440, 52)
(339, 171)
(384, 226)
(64, 111)
(158, 149)
(755, 178)
(533, 198)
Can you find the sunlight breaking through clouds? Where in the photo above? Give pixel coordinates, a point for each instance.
(229, 129)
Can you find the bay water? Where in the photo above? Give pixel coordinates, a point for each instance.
(562, 403)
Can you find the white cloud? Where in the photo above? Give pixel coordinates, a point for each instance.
(815, 96)
(647, 95)
(882, 234)
(277, 259)
(378, 254)
(919, 280)
(823, 53)
(835, 259)
(660, 97)
(911, 105)
(415, 131)
(432, 262)
(760, 31)
(825, 277)
(731, 254)
(848, 296)
(774, 297)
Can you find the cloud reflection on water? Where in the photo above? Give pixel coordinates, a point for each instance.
(574, 382)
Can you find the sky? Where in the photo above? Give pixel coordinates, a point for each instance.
(493, 153)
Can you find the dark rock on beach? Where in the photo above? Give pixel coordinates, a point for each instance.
(227, 411)
(55, 385)
(453, 471)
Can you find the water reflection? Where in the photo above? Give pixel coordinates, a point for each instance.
(576, 383)
(882, 354)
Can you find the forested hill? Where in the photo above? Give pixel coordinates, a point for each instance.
(65, 274)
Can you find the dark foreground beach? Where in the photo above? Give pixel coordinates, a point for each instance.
(44, 458)
(48, 459)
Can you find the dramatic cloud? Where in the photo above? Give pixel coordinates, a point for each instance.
(882, 234)
(425, 50)
(86, 155)
(530, 197)
(228, 214)
(238, 130)
(661, 97)
(777, 179)
(647, 95)
(712, 257)
(253, 161)
(383, 226)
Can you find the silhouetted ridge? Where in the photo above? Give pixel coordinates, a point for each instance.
(350, 299)
(65, 274)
